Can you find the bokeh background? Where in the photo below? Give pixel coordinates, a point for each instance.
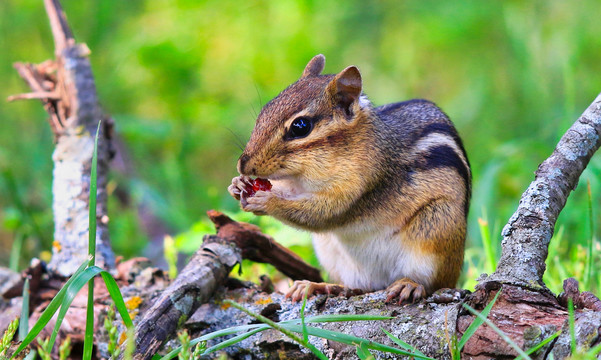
(185, 79)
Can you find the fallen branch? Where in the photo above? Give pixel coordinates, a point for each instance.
(262, 248)
(207, 270)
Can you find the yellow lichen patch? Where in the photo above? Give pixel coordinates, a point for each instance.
(56, 246)
(225, 306)
(133, 303)
(122, 338)
(264, 301)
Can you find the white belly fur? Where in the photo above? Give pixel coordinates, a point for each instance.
(370, 259)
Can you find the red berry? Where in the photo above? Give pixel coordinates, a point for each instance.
(261, 185)
(257, 185)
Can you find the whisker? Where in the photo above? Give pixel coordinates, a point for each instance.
(237, 140)
(259, 95)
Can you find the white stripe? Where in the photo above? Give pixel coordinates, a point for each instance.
(438, 139)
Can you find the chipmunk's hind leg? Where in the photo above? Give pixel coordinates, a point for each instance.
(405, 289)
(300, 287)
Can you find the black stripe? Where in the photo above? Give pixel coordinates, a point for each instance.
(395, 106)
(446, 156)
(445, 128)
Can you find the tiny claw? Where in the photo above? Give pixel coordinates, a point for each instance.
(300, 287)
(405, 289)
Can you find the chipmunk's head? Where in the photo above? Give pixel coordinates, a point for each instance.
(308, 128)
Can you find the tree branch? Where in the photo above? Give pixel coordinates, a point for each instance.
(262, 248)
(527, 234)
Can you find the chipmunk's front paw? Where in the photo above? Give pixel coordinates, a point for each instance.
(405, 289)
(258, 203)
(238, 186)
(300, 287)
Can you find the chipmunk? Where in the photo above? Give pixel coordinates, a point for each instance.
(384, 191)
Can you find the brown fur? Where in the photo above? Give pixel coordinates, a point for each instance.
(364, 164)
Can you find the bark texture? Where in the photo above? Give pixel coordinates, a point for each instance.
(207, 270)
(527, 234)
(67, 90)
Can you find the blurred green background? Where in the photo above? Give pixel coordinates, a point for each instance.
(185, 79)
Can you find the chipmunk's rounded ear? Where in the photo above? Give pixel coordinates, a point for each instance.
(346, 87)
(315, 66)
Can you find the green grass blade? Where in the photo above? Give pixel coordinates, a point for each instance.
(498, 331)
(540, 344)
(491, 262)
(302, 316)
(88, 339)
(572, 326)
(340, 318)
(594, 351)
(74, 288)
(363, 352)
(351, 340)
(589, 255)
(49, 312)
(216, 334)
(92, 201)
(24, 321)
(469, 332)
(316, 351)
(115, 293)
(255, 328)
(15, 251)
(401, 343)
(279, 328)
(232, 341)
(88, 342)
(261, 327)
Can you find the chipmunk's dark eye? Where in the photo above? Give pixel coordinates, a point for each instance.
(300, 128)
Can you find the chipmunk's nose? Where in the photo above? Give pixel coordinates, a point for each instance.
(242, 163)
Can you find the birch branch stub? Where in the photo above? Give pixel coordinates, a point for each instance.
(68, 92)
